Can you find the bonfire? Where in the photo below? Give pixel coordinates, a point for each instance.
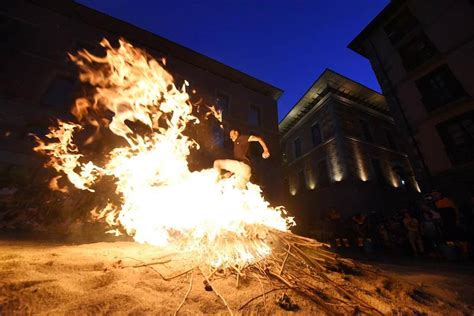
(159, 201)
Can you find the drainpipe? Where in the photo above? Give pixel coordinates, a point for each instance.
(391, 91)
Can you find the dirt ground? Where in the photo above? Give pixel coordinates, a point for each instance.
(117, 278)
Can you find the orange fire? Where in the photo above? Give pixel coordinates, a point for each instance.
(161, 202)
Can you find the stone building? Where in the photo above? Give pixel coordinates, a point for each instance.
(422, 52)
(38, 83)
(342, 152)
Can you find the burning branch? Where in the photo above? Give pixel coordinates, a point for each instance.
(157, 200)
(216, 113)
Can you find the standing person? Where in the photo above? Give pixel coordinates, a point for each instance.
(413, 232)
(240, 165)
(336, 229)
(449, 214)
(396, 232)
(431, 231)
(361, 229)
(384, 236)
(469, 215)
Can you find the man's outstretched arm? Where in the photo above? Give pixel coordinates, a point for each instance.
(258, 139)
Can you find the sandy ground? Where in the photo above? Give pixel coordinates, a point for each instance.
(106, 278)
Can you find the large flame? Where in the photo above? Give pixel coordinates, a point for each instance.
(160, 201)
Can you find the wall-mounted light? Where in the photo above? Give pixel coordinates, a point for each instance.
(417, 187)
(337, 177)
(310, 178)
(293, 187)
(394, 174)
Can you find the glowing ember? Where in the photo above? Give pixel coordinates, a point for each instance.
(160, 201)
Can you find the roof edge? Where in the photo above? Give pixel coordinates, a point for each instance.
(323, 76)
(356, 44)
(61, 6)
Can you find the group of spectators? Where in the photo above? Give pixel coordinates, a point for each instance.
(435, 227)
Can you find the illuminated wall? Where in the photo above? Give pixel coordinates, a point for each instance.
(394, 179)
(310, 176)
(338, 170)
(362, 170)
(335, 163)
(293, 184)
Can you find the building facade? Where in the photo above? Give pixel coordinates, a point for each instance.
(422, 52)
(39, 83)
(342, 152)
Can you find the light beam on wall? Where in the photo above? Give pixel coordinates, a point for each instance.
(417, 187)
(337, 172)
(359, 159)
(394, 179)
(310, 178)
(292, 186)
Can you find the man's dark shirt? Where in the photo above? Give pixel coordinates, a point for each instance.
(241, 148)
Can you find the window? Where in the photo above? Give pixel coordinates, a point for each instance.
(458, 138)
(255, 151)
(366, 134)
(16, 33)
(59, 93)
(399, 26)
(417, 51)
(223, 103)
(322, 174)
(288, 185)
(378, 172)
(390, 141)
(316, 135)
(217, 135)
(439, 88)
(254, 116)
(297, 147)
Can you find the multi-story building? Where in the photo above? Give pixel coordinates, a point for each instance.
(39, 82)
(342, 152)
(422, 52)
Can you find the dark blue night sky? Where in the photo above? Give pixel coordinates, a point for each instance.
(287, 43)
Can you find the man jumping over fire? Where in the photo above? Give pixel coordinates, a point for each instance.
(240, 165)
